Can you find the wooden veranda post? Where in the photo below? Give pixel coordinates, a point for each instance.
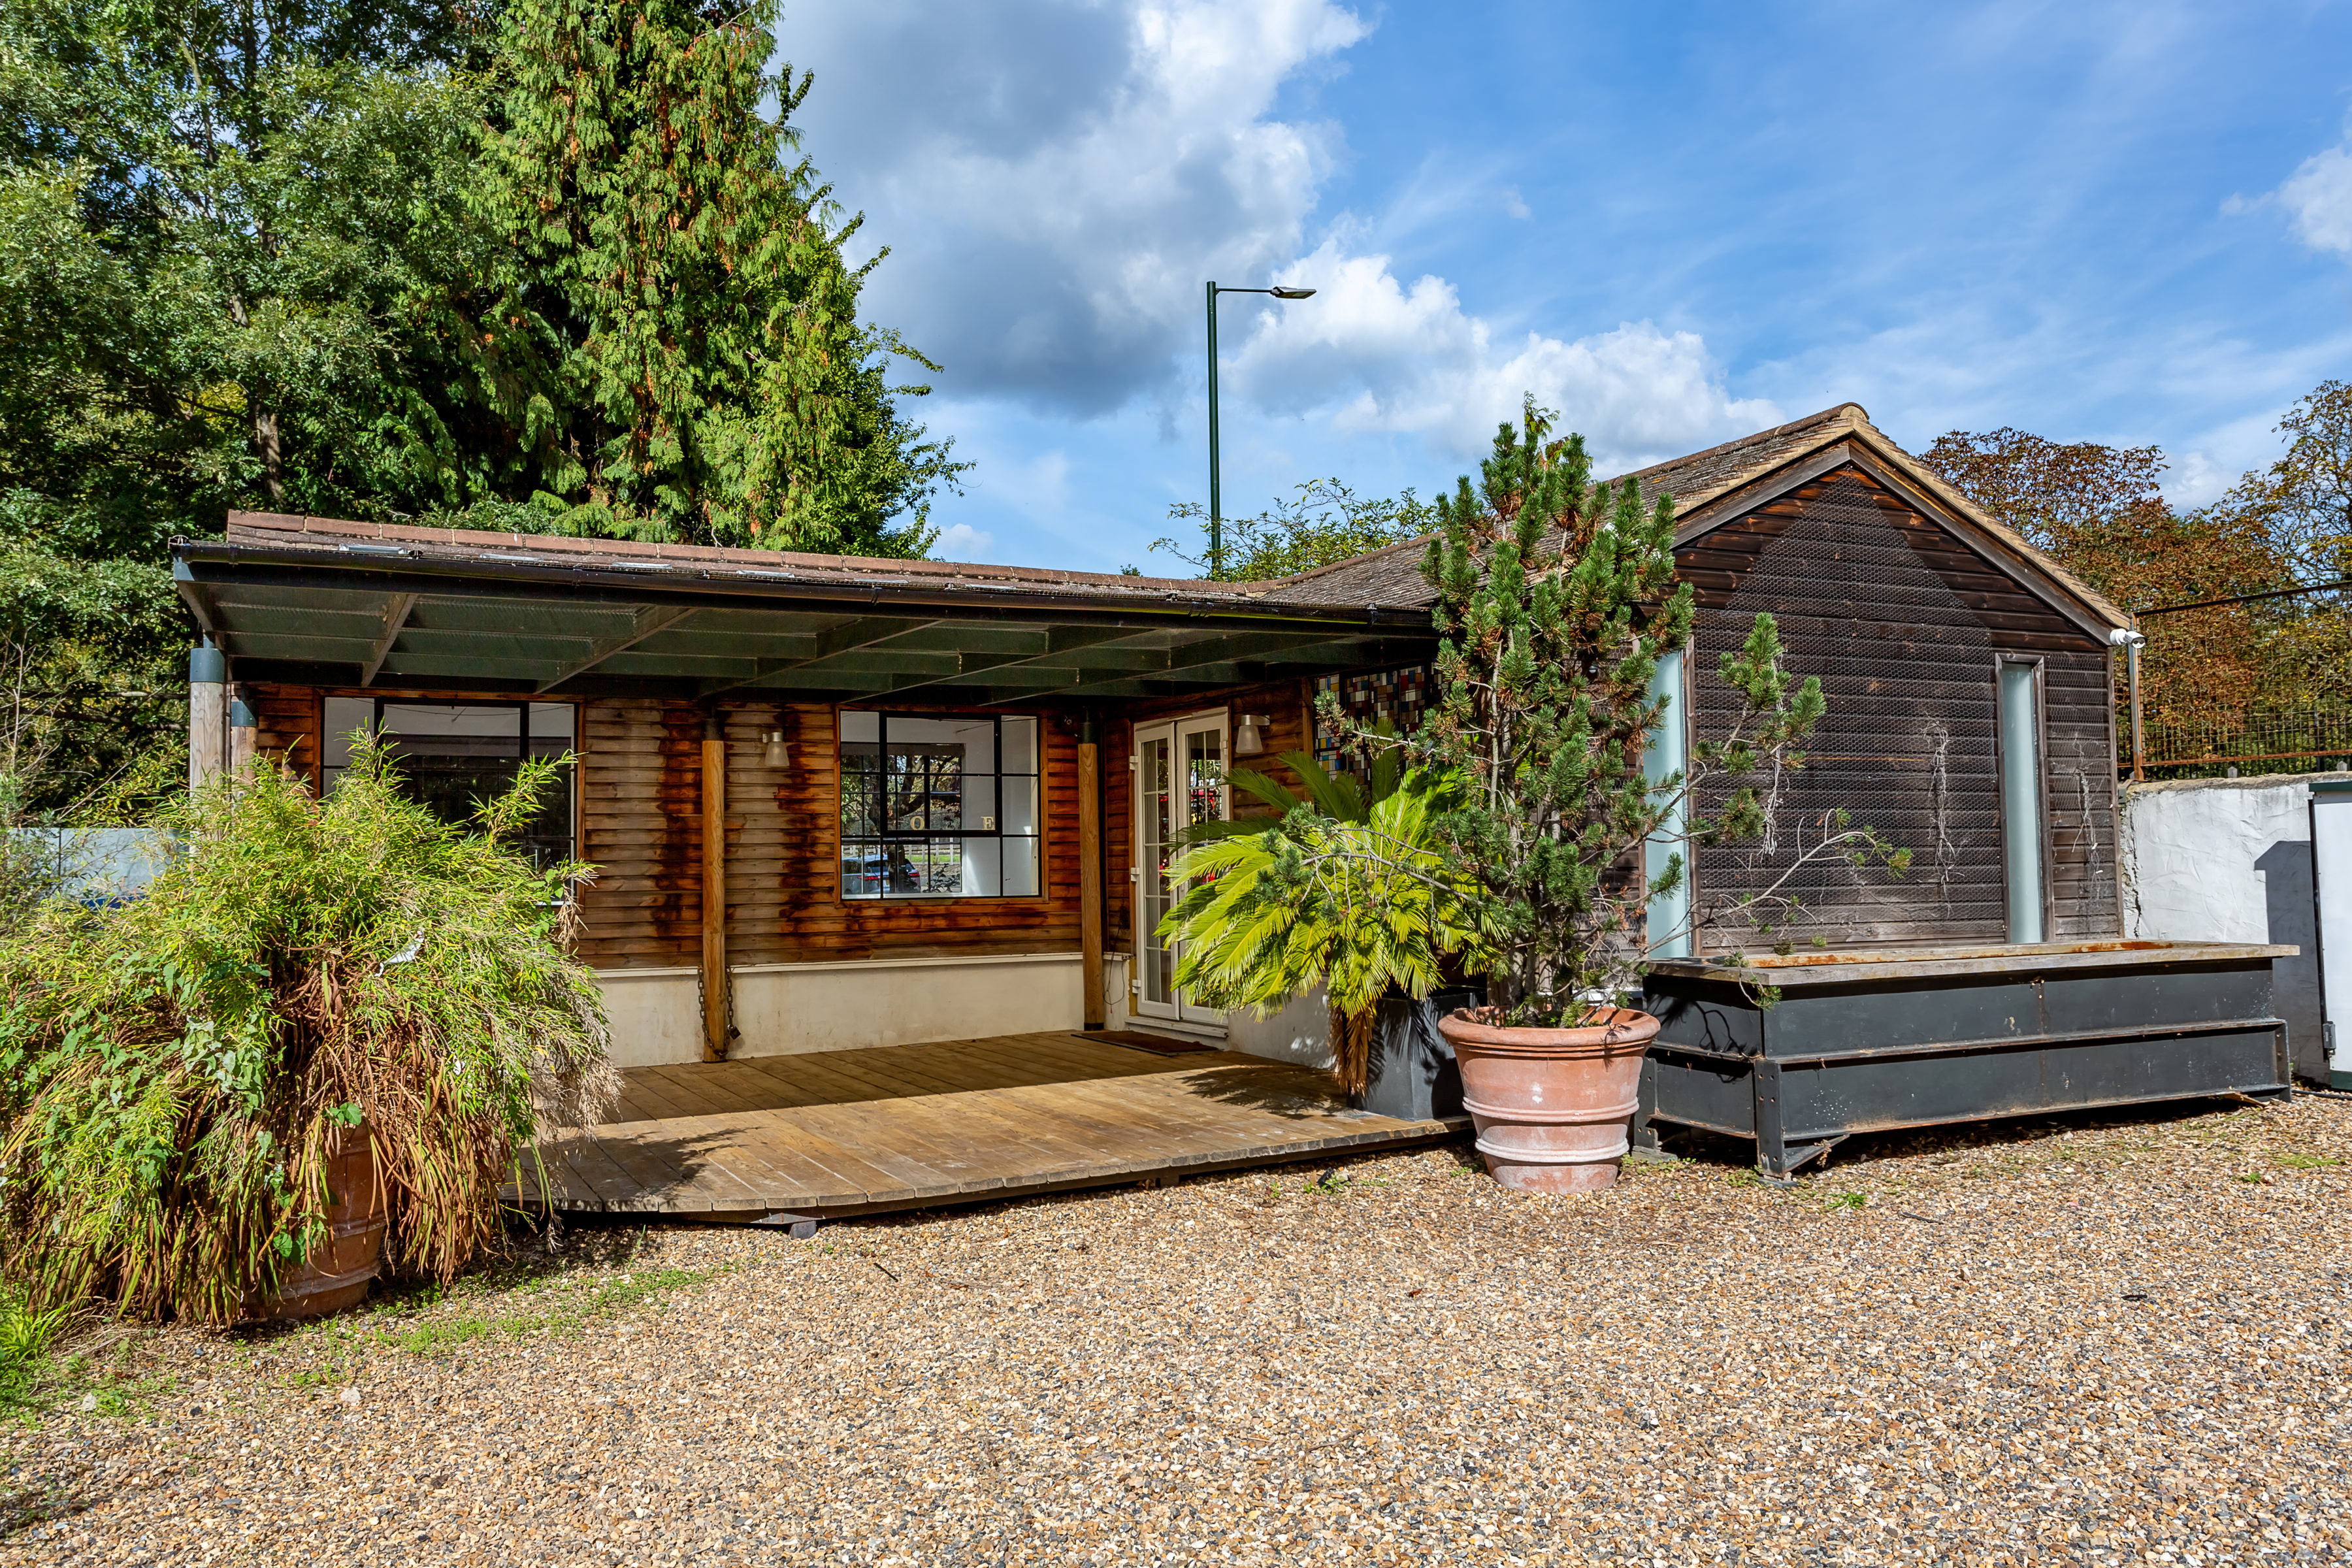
(1090, 884)
(207, 714)
(714, 885)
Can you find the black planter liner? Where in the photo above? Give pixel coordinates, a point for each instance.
(1413, 1077)
(1872, 1042)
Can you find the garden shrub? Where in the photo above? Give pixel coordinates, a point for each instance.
(173, 1071)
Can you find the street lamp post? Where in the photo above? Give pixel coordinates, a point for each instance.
(1216, 508)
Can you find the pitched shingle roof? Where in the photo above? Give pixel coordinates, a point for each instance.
(1393, 576)
(1381, 580)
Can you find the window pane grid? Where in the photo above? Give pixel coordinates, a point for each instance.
(450, 757)
(939, 806)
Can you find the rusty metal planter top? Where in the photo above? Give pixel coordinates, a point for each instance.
(1873, 966)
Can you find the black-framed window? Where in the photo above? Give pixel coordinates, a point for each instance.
(453, 755)
(938, 806)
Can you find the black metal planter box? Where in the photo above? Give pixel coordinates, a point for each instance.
(1862, 1042)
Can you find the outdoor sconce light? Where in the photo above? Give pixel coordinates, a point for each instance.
(777, 754)
(1247, 742)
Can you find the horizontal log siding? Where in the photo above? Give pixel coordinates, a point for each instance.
(642, 827)
(286, 727)
(1903, 623)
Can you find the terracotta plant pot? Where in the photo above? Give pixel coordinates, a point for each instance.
(1552, 1106)
(341, 1265)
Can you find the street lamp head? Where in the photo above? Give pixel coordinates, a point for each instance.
(1284, 293)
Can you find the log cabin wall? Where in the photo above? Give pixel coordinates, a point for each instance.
(1904, 623)
(641, 825)
(286, 720)
(640, 794)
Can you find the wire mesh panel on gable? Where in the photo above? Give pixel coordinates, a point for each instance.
(1399, 697)
(1866, 599)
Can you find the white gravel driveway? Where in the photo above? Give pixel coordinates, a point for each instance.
(2121, 1344)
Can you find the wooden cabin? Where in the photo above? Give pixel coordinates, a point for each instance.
(839, 804)
(1969, 678)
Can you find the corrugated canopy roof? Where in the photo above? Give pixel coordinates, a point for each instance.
(330, 602)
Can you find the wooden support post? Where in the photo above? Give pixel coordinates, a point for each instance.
(244, 740)
(715, 1027)
(208, 714)
(1090, 882)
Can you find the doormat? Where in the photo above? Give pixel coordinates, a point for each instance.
(1157, 1045)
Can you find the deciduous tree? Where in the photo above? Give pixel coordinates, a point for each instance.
(1327, 522)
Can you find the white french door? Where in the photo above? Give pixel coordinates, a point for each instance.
(1179, 780)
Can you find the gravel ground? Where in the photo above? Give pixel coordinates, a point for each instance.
(2096, 1342)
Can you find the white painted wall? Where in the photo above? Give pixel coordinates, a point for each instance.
(785, 1009)
(1300, 1033)
(2230, 860)
(98, 864)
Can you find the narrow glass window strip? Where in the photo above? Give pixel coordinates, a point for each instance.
(2021, 793)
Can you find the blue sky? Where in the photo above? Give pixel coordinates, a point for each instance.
(2127, 223)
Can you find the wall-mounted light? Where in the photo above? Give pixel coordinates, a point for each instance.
(776, 752)
(1247, 742)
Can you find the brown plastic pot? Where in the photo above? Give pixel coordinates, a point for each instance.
(1552, 1106)
(343, 1264)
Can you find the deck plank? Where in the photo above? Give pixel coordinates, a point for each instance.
(912, 1126)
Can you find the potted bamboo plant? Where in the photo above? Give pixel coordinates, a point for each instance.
(312, 1052)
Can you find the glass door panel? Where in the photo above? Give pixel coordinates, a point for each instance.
(1179, 772)
(2021, 797)
(1156, 827)
(1205, 775)
(1202, 744)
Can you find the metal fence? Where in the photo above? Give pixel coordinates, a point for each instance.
(2265, 740)
(2253, 684)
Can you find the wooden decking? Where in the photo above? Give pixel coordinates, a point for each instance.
(907, 1126)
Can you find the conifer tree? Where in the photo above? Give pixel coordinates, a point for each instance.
(707, 375)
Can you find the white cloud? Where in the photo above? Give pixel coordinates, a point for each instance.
(2196, 480)
(1369, 353)
(2319, 195)
(961, 542)
(1059, 178)
(2317, 198)
(1037, 484)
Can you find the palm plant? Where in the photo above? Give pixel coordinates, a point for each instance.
(1341, 796)
(1349, 889)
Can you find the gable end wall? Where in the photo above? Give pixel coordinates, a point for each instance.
(1904, 623)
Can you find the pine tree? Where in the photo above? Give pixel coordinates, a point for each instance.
(681, 265)
(1556, 596)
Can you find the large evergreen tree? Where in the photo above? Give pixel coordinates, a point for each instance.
(550, 267)
(680, 261)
